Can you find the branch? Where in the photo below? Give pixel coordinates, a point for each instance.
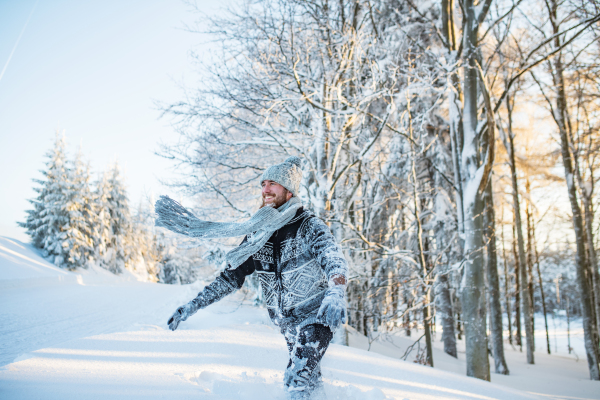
(245, 213)
(433, 24)
(499, 19)
(483, 10)
(587, 22)
(445, 177)
(362, 154)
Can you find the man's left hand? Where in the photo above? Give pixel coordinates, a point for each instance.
(333, 308)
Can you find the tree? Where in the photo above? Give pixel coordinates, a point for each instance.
(77, 235)
(472, 165)
(115, 244)
(44, 222)
(61, 223)
(561, 19)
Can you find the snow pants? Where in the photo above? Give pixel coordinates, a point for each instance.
(306, 346)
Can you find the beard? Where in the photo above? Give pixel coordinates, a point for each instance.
(277, 202)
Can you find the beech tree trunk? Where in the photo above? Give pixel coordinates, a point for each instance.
(494, 285)
(524, 275)
(518, 334)
(506, 287)
(593, 261)
(473, 298)
(530, 286)
(443, 305)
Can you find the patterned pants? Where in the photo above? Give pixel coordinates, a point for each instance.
(306, 346)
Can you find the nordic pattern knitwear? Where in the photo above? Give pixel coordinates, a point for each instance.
(288, 174)
(173, 216)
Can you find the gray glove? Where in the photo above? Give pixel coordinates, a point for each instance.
(333, 308)
(181, 314)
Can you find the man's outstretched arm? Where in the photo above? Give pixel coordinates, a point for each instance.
(226, 283)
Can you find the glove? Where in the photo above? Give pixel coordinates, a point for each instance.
(333, 308)
(181, 314)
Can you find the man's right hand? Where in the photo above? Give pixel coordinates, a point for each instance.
(181, 314)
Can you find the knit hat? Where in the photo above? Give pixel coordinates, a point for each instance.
(288, 174)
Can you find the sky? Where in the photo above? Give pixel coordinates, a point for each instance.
(94, 71)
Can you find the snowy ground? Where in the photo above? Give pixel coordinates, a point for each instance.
(92, 335)
(556, 376)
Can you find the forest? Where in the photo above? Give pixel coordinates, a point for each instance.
(451, 147)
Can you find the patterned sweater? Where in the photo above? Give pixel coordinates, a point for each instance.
(294, 268)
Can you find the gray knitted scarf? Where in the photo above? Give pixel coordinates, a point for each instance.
(173, 216)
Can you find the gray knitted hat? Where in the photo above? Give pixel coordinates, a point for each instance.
(288, 174)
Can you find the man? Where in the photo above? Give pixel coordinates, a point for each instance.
(301, 269)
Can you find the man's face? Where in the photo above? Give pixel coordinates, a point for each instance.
(274, 195)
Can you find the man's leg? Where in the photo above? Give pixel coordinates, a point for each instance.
(307, 347)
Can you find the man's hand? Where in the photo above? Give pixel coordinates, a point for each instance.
(333, 308)
(181, 314)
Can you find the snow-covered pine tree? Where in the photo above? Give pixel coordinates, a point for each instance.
(47, 219)
(43, 222)
(115, 249)
(62, 220)
(77, 235)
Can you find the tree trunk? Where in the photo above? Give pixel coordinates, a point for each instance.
(537, 263)
(459, 326)
(473, 301)
(494, 286)
(406, 314)
(421, 245)
(506, 285)
(443, 305)
(467, 163)
(530, 285)
(524, 285)
(593, 261)
(518, 334)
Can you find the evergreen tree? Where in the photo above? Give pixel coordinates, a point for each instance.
(77, 235)
(62, 220)
(45, 222)
(115, 244)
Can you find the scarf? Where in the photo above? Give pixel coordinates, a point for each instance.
(259, 228)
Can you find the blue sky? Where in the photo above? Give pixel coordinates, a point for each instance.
(91, 69)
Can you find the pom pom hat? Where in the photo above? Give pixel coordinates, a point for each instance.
(288, 174)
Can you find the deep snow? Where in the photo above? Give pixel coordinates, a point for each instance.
(92, 335)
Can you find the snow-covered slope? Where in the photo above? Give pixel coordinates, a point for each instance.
(92, 335)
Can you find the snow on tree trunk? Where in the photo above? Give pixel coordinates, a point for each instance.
(472, 288)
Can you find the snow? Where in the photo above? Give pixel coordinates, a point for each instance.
(20, 261)
(92, 335)
(561, 376)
